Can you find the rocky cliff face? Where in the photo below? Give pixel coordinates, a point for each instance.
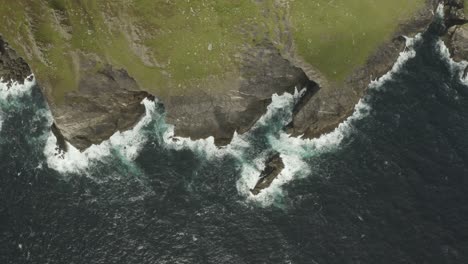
(12, 67)
(107, 101)
(228, 91)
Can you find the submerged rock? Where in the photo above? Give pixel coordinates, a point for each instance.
(273, 168)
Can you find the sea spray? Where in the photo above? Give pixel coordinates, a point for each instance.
(403, 57)
(456, 68)
(11, 91)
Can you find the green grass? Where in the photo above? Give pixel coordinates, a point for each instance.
(466, 7)
(336, 36)
(193, 41)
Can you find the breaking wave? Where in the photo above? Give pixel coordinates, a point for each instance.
(456, 68)
(11, 91)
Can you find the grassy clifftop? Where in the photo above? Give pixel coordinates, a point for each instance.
(170, 46)
(338, 35)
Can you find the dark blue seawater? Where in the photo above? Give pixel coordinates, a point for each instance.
(394, 190)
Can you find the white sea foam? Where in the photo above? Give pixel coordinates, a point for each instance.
(10, 90)
(361, 110)
(404, 56)
(205, 147)
(455, 67)
(440, 11)
(294, 151)
(282, 106)
(239, 143)
(15, 89)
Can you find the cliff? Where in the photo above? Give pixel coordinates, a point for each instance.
(213, 65)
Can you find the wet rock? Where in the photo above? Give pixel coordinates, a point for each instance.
(12, 67)
(459, 42)
(273, 168)
(454, 12)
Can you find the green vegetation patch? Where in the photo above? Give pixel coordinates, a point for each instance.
(466, 7)
(336, 36)
(166, 45)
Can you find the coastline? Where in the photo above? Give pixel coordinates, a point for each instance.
(116, 105)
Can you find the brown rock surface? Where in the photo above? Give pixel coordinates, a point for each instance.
(107, 101)
(12, 67)
(459, 42)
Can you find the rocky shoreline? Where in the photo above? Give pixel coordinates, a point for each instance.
(108, 99)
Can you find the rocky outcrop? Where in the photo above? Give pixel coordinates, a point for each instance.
(107, 100)
(459, 42)
(456, 38)
(273, 167)
(12, 67)
(456, 22)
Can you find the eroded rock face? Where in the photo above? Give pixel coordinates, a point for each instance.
(459, 42)
(108, 100)
(454, 12)
(12, 67)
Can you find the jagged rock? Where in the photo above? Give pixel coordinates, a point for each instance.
(273, 168)
(12, 67)
(459, 42)
(454, 13)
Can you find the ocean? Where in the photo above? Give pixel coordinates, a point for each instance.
(389, 185)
